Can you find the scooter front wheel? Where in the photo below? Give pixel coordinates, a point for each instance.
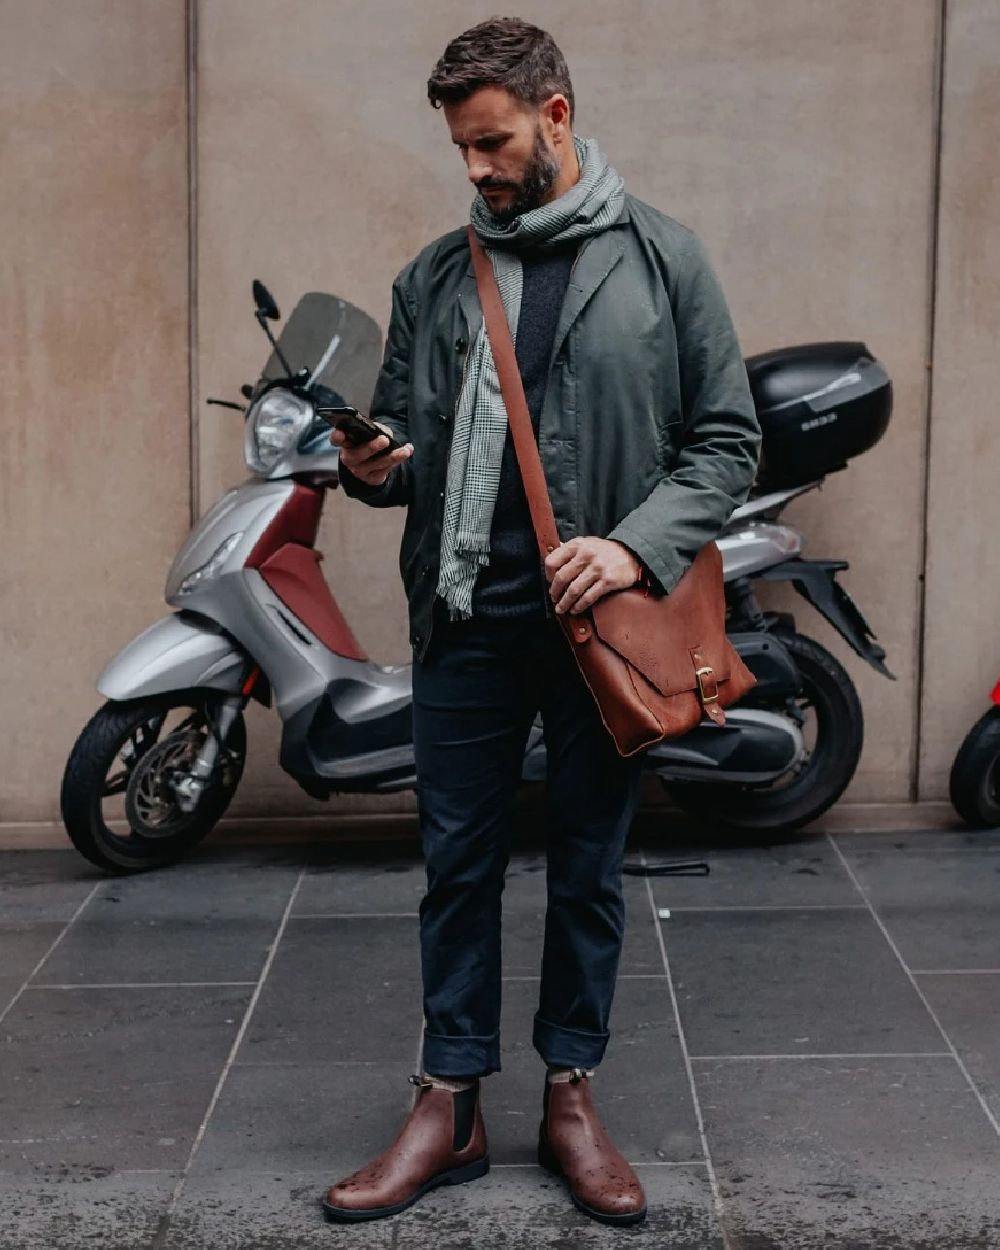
(118, 804)
(975, 775)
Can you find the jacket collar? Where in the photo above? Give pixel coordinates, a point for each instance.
(596, 258)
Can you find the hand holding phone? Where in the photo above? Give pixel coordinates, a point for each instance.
(359, 429)
(367, 448)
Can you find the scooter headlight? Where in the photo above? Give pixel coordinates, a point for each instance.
(211, 568)
(275, 423)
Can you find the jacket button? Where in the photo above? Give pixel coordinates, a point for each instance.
(416, 639)
(442, 416)
(460, 345)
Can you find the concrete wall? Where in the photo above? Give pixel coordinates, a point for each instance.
(797, 137)
(94, 456)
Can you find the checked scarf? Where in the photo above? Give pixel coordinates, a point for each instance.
(588, 207)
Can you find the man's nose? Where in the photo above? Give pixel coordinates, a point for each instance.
(478, 169)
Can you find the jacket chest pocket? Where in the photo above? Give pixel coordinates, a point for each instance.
(438, 381)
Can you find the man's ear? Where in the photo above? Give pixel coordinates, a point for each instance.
(556, 111)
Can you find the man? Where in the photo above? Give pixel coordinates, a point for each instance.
(648, 438)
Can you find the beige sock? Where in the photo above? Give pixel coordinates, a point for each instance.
(454, 1084)
(557, 1076)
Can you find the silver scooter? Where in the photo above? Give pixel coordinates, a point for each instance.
(254, 618)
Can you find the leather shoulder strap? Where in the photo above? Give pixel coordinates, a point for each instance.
(512, 389)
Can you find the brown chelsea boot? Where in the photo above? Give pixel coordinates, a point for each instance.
(442, 1142)
(573, 1144)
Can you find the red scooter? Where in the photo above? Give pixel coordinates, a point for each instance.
(975, 775)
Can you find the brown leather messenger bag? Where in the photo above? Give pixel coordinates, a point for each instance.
(655, 664)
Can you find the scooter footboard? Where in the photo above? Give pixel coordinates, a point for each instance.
(179, 652)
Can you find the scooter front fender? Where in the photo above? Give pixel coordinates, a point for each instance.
(179, 652)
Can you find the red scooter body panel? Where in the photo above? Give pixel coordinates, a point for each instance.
(297, 522)
(995, 695)
(294, 576)
(289, 563)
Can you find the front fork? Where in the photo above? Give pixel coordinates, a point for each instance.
(190, 786)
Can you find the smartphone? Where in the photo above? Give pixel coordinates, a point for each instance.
(358, 428)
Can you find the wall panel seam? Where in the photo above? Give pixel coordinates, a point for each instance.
(932, 285)
(194, 431)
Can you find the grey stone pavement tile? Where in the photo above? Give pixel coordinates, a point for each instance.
(22, 945)
(191, 922)
(265, 1210)
(799, 874)
(110, 1078)
(340, 989)
(310, 1119)
(941, 909)
(362, 885)
(525, 1207)
(792, 982)
(510, 1207)
(958, 838)
(94, 1209)
(641, 1089)
(857, 1154)
(44, 885)
(969, 1010)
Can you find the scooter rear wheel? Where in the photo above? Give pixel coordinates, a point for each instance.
(830, 715)
(975, 775)
(117, 805)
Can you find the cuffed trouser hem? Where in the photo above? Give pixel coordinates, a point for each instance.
(568, 1048)
(461, 1056)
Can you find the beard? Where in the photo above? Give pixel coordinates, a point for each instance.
(535, 183)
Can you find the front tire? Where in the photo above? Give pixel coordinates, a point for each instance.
(975, 775)
(103, 790)
(829, 709)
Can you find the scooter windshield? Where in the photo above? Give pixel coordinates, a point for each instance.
(339, 345)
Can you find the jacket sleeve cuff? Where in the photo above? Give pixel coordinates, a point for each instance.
(665, 572)
(355, 488)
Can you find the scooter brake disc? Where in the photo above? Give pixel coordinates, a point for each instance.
(151, 807)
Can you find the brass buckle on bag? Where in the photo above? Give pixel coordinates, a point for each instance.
(701, 674)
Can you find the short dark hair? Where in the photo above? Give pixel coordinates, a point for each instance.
(502, 52)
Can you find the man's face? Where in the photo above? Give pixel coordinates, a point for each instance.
(507, 148)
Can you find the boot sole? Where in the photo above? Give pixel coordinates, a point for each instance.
(548, 1161)
(455, 1176)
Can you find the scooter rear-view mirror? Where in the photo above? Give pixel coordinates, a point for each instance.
(264, 301)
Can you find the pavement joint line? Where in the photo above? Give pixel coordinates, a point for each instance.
(622, 976)
(955, 972)
(713, 1180)
(160, 1237)
(977, 1093)
(776, 907)
(296, 1063)
(917, 850)
(354, 915)
(850, 1054)
(633, 1163)
(134, 985)
(55, 942)
(418, 1067)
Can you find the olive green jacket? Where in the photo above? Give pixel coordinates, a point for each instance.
(647, 434)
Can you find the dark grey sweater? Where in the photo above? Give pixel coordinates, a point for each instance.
(513, 583)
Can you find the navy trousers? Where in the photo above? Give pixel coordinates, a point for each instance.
(475, 695)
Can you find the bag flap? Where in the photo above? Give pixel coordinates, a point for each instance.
(657, 633)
